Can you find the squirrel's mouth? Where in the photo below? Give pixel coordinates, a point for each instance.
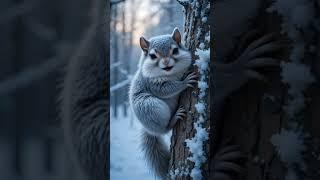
(168, 68)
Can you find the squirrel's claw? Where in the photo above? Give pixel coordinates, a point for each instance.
(262, 62)
(259, 42)
(266, 48)
(181, 113)
(192, 75)
(255, 75)
(226, 162)
(256, 55)
(230, 156)
(229, 166)
(191, 79)
(245, 40)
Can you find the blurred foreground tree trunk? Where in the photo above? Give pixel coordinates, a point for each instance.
(256, 114)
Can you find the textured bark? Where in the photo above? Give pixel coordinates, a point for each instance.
(250, 120)
(184, 129)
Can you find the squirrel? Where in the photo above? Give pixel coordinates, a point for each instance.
(154, 94)
(155, 89)
(84, 109)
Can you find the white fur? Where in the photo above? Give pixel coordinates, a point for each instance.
(166, 62)
(153, 68)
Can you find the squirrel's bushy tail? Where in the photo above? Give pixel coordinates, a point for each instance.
(156, 154)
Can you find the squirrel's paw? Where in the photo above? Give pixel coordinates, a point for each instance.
(226, 163)
(191, 79)
(180, 114)
(259, 53)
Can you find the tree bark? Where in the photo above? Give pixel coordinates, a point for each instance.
(185, 129)
(250, 118)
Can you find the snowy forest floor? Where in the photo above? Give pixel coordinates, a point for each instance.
(126, 158)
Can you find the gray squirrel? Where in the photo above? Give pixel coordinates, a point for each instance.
(156, 86)
(154, 94)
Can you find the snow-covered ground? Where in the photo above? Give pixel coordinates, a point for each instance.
(126, 158)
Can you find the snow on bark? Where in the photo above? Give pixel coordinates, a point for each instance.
(188, 161)
(196, 144)
(297, 16)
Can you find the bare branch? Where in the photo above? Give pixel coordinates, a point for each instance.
(112, 3)
(116, 64)
(33, 74)
(120, 85)
(123, 71)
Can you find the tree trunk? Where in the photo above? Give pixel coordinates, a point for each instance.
(196, 30)
(256, 113)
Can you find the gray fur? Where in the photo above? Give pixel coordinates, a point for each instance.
(161, 43)
(154, 94)
(156, 150)
(84, 111)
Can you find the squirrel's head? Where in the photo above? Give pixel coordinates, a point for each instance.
(164, 55)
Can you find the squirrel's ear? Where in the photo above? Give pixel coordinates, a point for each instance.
(144, 44)
(176, 36)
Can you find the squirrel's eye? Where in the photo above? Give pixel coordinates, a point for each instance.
(175, 51)
(153, 56)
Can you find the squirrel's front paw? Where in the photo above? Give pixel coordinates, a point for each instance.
(259, 53)
(228, 162)
(180, 114)
(191, 79)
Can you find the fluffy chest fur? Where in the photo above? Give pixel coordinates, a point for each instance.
(141, 86)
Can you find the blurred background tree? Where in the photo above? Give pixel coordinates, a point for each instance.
(38, 39)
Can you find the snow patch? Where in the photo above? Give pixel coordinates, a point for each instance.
(297, 16)
(180, 171)
(203, 61)
(290, 147)
(200, 107)
(196, 144)
(298, 77)
(202, 46)
(204, 19)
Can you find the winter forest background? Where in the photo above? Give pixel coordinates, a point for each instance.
(35, 36)
(131, 19)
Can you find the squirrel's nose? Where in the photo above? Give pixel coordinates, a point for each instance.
(166, 61)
